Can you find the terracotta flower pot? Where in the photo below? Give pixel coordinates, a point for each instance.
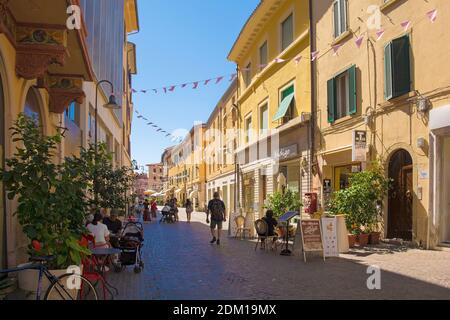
(374, 237)
(363, 239)
(351, 240)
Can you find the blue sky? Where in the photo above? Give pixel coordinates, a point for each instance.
(181, 41)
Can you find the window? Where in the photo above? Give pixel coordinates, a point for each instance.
(263, 57)
(287, 32)
(248, 75)
(340, 17)
(264, 119)
(342, 95)
(70, 112)
(285, 111)
(397, 74)
(248, 129)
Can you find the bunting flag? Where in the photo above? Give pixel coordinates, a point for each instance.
(262, 66)
(219, 79)
(336, 49)
(156, 91)
(314, 55)
(380, 34)
(359, 41)
(144, 91)
(406, 24)
(184, 85)
(233, 76)
(278, 60)
(140, 117)
(172, 88)
(134, 91)
(195, 85)
(165, 90)
(432, 15)
(207, 81)
(297, 59)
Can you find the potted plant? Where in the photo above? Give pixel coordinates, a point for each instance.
(280, 203)
(360, 202)
(50, 197)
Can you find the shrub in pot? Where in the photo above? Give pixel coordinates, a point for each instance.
(51, 197)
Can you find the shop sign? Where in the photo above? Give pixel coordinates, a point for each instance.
(359, 146)
(330, 242)
(311, 236)
(287, 152)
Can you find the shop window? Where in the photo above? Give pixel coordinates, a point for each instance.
(342, 174)
(342, 95)
(397, 73)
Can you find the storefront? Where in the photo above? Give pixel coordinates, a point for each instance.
(225, 185)
(439, 228)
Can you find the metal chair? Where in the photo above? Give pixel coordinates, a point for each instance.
(241, 229)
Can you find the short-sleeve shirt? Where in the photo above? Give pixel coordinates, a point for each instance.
(113, 226)
(99, 231)
(216, 208)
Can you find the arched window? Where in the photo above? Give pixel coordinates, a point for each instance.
(32, 108)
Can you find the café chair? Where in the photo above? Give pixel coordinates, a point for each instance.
(241, 229)
(262, 231)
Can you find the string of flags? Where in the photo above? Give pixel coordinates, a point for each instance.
(431, 15)
(158, 129)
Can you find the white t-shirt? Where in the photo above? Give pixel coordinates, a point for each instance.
(99, 231)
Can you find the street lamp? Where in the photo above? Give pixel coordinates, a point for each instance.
(112, 105)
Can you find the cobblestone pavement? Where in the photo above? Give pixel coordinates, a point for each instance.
(181, 264)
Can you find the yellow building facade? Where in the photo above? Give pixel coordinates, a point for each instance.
(221, 138)
(47, 71)
(274, 101)
(392, 92)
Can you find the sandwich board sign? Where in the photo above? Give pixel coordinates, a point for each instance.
(330, 241)
(311, 236)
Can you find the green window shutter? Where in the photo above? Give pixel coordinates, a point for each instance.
(401, 66)
(352, 89)
(331, 100)
(388, 72)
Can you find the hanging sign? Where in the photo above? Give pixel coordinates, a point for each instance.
(311, 236)
(359, 146)
(330, 244)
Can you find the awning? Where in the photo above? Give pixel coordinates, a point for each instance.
(149, 192)
(193, 193)
(284, 106)
(178, 191)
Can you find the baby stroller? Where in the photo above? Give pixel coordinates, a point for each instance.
(130, 243)
(168, 215)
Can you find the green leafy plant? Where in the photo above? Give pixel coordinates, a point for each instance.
(360, 202)
(280, 203)
(51, 197)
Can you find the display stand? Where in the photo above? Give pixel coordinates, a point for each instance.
(287, 217)
(312, 237)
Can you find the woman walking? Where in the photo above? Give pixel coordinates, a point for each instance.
(189, 210)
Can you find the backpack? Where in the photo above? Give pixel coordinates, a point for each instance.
(217, 210)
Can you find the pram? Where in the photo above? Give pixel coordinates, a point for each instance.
(131, 242)
(168, 215)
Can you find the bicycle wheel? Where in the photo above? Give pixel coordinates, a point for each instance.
(71, 287)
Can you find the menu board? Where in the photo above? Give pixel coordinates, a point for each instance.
(311, 236)
(330, 243)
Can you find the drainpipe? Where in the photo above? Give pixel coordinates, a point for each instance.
(313, 96)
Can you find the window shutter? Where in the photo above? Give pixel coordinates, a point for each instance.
(331, 100)
(336, 19)
(388, 71)
(401, 66)
(352, 90)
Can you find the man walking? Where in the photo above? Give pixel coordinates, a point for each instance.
(216, 208)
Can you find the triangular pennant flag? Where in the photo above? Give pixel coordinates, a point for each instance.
(359, 41)
(195, 85)
(380, 34)
(172, 88)
(207, 81)
(155, 126)
(262, 66)
(336, 49)
(168, 135)
(432, 15)
(165, 90)
(156, 91)
(159, 130)
(144, 91)
(134, 91)
(140, 117)
(150, 123)
(137, 112)
(405, 25)
(314, 55)
(297, 59)
(144, 118)
(233, 76)
(219, 79)
(278, 60)
(184, 85)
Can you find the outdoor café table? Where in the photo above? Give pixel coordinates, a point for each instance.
(105, 254)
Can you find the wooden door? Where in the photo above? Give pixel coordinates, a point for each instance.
(400, 212)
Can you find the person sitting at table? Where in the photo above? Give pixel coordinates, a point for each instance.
(113, 223)
(99, 231)
(271, 224)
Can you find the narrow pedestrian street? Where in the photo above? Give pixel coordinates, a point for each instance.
(180, 264)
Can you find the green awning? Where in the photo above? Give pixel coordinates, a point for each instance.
(284, 106)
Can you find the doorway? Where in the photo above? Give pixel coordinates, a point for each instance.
(445, 192)
(400, 213)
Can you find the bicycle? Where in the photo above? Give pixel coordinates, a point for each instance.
(69, 286)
